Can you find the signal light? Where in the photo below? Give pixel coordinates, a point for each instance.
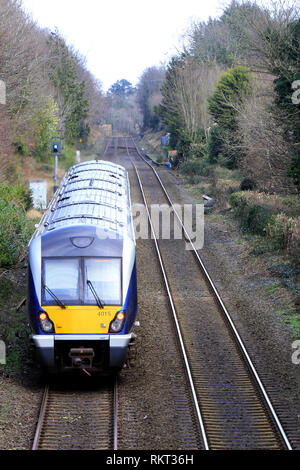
(55, 147)
(43, 316)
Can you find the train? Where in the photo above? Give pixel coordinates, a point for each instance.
(82, 283)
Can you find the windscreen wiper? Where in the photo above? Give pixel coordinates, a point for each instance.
(59, 302)
(97, 298)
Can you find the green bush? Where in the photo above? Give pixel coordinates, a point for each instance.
(280, 229)
(248, 184)
(195, 168)
(198, 150)
(67, 160)
(239, 202)
(215, 144)
(16, 229)
(256, 219)
(184, 145)
(15, 233)
(20, 146)
(253, 217)
(16, 194)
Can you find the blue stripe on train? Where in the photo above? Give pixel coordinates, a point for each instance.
(33, 304)
(130, 304)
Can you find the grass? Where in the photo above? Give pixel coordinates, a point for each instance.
(270, 289)
(294, 322)
(292, 319)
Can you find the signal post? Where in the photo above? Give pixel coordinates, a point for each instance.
(56, 150)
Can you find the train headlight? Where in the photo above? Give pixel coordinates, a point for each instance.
(118, 322)
(45, 323)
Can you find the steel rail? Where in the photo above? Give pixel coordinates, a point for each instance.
(116, 414)
(226, 313)
(175, 317)
(44, 409)
(106, 148)
(41, 419)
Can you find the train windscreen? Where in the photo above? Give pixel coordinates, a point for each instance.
(82, 281)
(105, 277)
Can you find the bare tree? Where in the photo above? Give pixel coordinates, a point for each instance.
(23, 63)
(268, 35)
(266, 152)
(193, 83)
(149, 95)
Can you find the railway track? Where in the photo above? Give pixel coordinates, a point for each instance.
(232, 406)
(220, 401)
(80, 417)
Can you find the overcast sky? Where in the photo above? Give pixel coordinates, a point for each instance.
(121, 38)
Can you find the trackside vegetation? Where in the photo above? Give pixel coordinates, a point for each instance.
(50, 93)
(16, 228)
(230, 105)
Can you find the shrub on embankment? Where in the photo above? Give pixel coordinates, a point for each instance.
(194, 170)
(15, 227)
(262, 215)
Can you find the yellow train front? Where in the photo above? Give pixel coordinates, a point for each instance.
(82, 290)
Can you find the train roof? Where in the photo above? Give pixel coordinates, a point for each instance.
(94, 193)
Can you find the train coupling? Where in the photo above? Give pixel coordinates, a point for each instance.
(82, 357)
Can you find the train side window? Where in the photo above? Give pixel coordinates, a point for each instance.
(105, 275)
(61, 276)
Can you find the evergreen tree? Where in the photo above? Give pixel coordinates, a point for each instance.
(288, 73)
(71, 97)
(231, 90)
